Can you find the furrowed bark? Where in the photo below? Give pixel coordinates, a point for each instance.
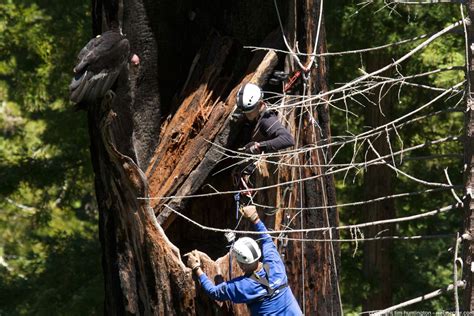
(135, 247)
(377, 266)
(378, 183)
(144, 271)
(313, 268)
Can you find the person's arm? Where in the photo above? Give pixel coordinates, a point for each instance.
(216, 292)
(270, 253)
(236, 290)
(269, 250)
(278, 137)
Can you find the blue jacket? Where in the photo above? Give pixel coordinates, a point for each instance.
(246, 290)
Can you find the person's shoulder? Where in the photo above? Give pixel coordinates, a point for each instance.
(242, 278)
(240, 283)
(270, 113)
(269, 118)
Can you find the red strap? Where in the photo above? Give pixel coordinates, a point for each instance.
(292, 81)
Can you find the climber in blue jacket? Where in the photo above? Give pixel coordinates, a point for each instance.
(264, 286)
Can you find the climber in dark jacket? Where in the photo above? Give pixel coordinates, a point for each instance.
(264, 130)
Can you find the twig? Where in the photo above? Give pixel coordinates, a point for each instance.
(26, 208)
(396, 62)
(422, 298)
(426, 1)
(466, 49)
(355, 51)
(388, 197)
(406, 174)
(452, 190)
(329, 172)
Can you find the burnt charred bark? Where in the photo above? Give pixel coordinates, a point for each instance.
(159, 137)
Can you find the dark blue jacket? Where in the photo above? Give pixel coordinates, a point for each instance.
(268, 132)
(246, 290)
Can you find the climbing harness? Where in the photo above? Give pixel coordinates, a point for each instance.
(241, 179)
(292, 81)
(266, 284)
(237, 204)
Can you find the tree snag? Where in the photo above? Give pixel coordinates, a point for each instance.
(189, 74)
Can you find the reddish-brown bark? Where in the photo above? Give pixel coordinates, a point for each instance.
(144, 271)
(378, 183)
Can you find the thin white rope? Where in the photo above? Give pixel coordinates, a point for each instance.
(293, 54)
(320, 19)
(320, 229)
(330, 172)
(362, 239)
(388, 197)
(342, 53)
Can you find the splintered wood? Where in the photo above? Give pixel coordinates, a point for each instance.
(201, 116)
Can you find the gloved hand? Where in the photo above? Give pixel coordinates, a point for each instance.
(252, 148)
(194, 261)
(249, 212)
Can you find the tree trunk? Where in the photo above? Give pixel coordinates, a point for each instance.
(313, 267)
(189, 74)
(468, 245)
(378, 183)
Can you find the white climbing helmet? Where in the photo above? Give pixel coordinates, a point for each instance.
(246, 250)
(248, 97)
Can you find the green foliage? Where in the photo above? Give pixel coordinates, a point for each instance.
(68, 282)
(423, 266)
(38, 45)
(49, 252)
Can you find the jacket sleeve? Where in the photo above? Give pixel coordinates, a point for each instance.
(216, 292)
(238, 290)
(269, 250)
(277, 136)
(271, 257)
